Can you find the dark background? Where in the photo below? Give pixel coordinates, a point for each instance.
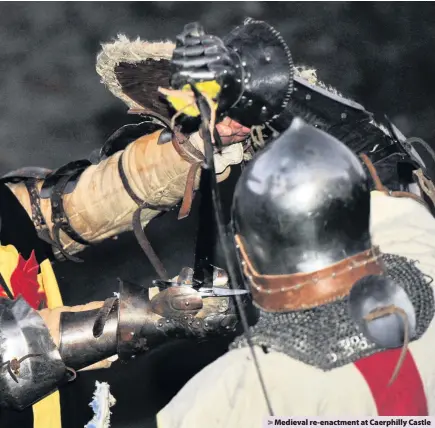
(53, 109)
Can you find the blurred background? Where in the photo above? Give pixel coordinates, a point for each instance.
(53, 109)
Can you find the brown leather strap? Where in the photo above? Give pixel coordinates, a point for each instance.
(125, 182)
(188, 192)
(186, 149)
(137, 225)
(425, 185)
(282, 293)
(37, 216)
(189, 153)
(381, 188)
(145, 244)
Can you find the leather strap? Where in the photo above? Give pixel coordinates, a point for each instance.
(381, 188)
(298, 291)
(138, 230)
(126, 184)
(5, 288)
(189, 153)
(186, 149)
(425, 185)
(37, 217)
(60, 219)
(189, 192)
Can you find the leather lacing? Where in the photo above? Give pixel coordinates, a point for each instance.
(14, 365)
(389, 310)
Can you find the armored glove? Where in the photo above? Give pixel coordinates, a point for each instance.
(134, 323)
(252, 64)
(201, 57)
(131, 323)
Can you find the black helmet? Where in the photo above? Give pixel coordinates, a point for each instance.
(301, 219)
(302, 204)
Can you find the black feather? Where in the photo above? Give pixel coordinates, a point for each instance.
(140, 82)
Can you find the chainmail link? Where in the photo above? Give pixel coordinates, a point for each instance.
(326, 337)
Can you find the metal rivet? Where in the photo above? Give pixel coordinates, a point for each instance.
(282, 289)
(237, 246)
(243, 63)
(185, 318)
(243, 99)
(250, 103)
(308, 97)
(343, 115)
(160, 324)
(206, 324)
(198, 323)
(225, 71)
(168, 321)
(238, 80)
(268, 58)
(269, 291)
(264, 109)
(246, 80)
(186, 303)
(334, 275)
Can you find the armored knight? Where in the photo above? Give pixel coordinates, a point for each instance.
(148, 168)
(140, 172)
(262, 89)
(336, 251)
(346, 314)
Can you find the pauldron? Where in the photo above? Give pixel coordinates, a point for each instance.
(128, 324)
(31, 366)
(400, 161)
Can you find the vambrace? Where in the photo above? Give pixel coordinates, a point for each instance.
(401, 162)
(132, 323)
(30, 364)
(82, 204)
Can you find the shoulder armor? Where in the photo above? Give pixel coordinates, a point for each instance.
(30, 364)
(329, 104)
(28, 172)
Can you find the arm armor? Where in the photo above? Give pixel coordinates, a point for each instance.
(30, 364)
(267, 70)
(133, 324)
(140, 172)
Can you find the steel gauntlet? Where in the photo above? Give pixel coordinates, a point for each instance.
(132, 323)
(31, 366)
(253, 64)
